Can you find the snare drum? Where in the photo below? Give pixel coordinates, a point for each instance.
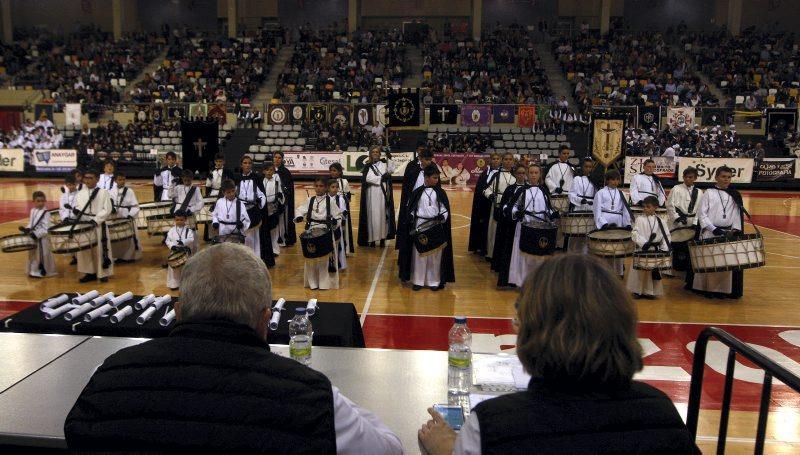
(316, 242)
(16, 243)
(120, 230)
(538, 238)
(722, 254)
(577, 224)
(71, 238)
(160, 224)
(149, 209)
(429, 237)
(177, 259)
(229, 238)
(611, 243)
(55, 217)
(652, 260)
(560, 202)
(660, 212)
(683, 234)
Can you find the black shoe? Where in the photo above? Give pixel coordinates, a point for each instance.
(435, 288)
(383, 243)
(372, 244)
(441, 286)
(164, 265)
(88, 277)
(416, 288)
(637, 296)
(73, 261)
(104, 279)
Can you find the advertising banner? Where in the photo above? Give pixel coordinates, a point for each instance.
(707, 167)
(461, 169)
(775, 170)
(353, 162)
(665, 166)
(310, 163)
(55, 160)
(12, 160)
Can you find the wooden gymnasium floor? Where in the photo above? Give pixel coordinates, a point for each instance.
(396, 317)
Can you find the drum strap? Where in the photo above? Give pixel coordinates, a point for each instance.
(625, 203)
(663, 232)
(188, 198)
(84, 209)
(693, 200)
(311, 208)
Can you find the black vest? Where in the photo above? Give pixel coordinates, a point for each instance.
(640, 419)
(211, 386)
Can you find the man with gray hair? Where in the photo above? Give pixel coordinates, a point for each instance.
(213, 385)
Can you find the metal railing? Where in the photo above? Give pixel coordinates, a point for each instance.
(736, 346)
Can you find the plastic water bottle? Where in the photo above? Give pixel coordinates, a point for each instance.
(459, 358)
(300, 335)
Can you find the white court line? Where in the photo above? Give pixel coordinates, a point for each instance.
(746, 440)
(784, 255)
(368, 302)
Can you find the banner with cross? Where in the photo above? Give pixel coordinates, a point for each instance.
(200, 143)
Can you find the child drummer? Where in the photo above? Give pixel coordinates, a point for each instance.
(611, 211)
(179, 238)
(320, 211)
(650, 235)
(340, 199)
(40, 260)
(230, 214)
(125, 206)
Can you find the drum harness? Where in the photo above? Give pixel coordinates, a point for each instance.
(624, 204)
(655, 185)
(522, 205)
(589, 199)
(683, 217)
(278, 204)
(332, 266)
(103, 234)
(436, 218)
(238, 217)
(560, 188)
(119, 205)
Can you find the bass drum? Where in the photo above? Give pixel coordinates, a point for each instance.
(316, 242)
(611, 243)
(538, 238)
(429, 237)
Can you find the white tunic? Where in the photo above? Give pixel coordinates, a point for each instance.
(214, 182)
(641, 281)
(582, 188)
(426, 270)
(609, 207)
(717, 210)
(91, 260)
(106, 181)
(679, 199)
(126, 204)
(39, 223)
(534, 209)
(251, 194)
(273, 195)
(343, 244)
(643, 186)
(164, 179)
(558, 172)
(315, 271)
(186, 236)
(67, 199)
(179, 193)
(497, 184)
(377, 224)
(225, 214)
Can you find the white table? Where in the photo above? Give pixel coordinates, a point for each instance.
(396, 385)
(22, 355)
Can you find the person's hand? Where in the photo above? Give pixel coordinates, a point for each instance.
(24, 230)
(33, 236)
(440, 217)
(719, 231)
(559, 190)
(174, 248)
(67, 206)
(652, 236)
(239, 225)
(215, 225)
(298, 219)
(436, 436)
(188, 213)
(130, 217)
(681, 220)
(76, 211)
(584, 201)
(386, 177)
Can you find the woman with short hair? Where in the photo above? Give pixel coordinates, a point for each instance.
(576, 328)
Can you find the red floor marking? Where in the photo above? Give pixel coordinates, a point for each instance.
(9, 307)
(423, 332)
(783, 223)
(17, 210)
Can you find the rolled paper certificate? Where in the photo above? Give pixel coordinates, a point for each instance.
(146, 315)
(81, 299)
(146, 300)
(121, 314)
(54, 302)
(75, 312)
(168, 318)
(98, 312)
(119, 300)
(276, 314)
(311, 307)
(161, 301)
(99, 301)
(51, 313)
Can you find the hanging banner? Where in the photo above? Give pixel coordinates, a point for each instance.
(443, 114)
(775, 170)
(12, 160)
(707, 167)
(716, 116)
(781, 120)
(340, 113)
(218, 112)
(403, 108)
(200, 143)
(298, 114)
(353, 162)
(476, 115)
(43, 112)
(72, 114)
(665, 167)
(54, 160)
(607, 140)
(649, 117)
(502, 114)
(680, 117)
(381, 114)
(198, 111)
(364, 116)
(527, 116)
(277, 114)
(318, 113)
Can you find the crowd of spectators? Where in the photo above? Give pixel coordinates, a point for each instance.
(628, 69)
(692, 141)
(460, 142)
(762, 67)
(339, 136)
(198, 68)
(112, 136)
(41, 134)
(501, 68)
(325, 63)
(84, 66)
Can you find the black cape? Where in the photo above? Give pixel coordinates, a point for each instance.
(406, 243)
(506, 229)
(266, 253)
(287, 182)
(481, 210)
(409, 179)
(363, 229)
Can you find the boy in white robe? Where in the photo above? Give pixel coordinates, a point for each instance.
(377, 181)
(647, 184)
(166, 177)
(40, 260)
(341, 203)
(273, 192)
(106, 179)
(180, 237)
(93, 205)
(187, 198)
(559, 180)
(230, 214)
(248, 191)
(650, 235)
(581, 196)
(497, 184)
(126, 206)
(531, 205)
(682, 206)
(318, 211)
(67, 202)
(611, 211)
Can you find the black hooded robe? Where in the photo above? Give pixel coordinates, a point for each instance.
(287, 182)
(409, 179)
(363, 228)
(405, 242)
(506, 229)
(481, 211)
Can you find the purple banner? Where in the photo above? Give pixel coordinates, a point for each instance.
(476, 115)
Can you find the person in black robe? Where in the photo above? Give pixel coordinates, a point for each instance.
(388, 194)
(508, 225)
(289, 235)
(412, 179)
(481, 209)
(265, 242)
(404, 231)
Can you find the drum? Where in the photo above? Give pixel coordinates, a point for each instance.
(538, 238)
(150, 209)
(316, 242)
(577, 224)
(16, 243)
(660, 212)
(722, 254)
(209, 203)
(55, 217)
(611, 243)
(160, 224)
(683, 234)
(254, 213)
(429, 237)
(203, 216)
(120, 230)
(560, 202)
(652, 260)
(71, 238)
(229, 238)
(176, 259)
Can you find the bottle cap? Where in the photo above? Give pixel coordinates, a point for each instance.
(461, 319)
(300, 310)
